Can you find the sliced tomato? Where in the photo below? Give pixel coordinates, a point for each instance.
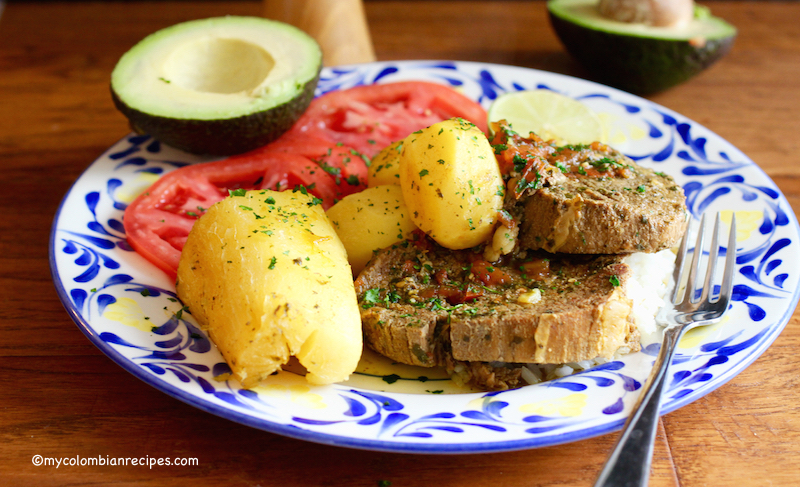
(487, 273)
(159, 220)
(369, 118)
(345, 165)
(326, 152)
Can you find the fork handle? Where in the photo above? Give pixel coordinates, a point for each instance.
(629, 462)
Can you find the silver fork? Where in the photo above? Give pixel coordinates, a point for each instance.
(629, 462)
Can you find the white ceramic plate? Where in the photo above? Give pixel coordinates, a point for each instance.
(128, 309)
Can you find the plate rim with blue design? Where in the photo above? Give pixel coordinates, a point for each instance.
(129, 310)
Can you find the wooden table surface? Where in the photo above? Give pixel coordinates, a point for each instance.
(61, 397)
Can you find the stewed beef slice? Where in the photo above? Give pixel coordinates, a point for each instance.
(428, 306)
(587, 199)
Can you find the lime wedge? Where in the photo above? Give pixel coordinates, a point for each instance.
(549, 115)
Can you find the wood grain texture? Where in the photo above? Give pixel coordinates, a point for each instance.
(62, 397)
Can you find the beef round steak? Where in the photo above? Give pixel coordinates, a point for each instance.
(587, 199)
(425, 305)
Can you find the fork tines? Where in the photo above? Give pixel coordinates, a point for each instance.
(704, 300)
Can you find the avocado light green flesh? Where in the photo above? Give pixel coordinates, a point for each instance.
(586, 14)
(217, 68)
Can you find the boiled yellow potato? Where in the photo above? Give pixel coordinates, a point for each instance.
(371, 220)
(266, 275)
(385, 166)
(451, 183)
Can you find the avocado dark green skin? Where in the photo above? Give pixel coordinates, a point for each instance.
(222, 137)
(638, 65)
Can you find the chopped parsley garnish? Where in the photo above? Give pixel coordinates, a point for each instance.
(605, 164)
(524, 184)
(333, 171)
(519, 162)
(372, 296)
(391, 379)
(179, 313)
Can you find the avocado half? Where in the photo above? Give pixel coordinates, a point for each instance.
(218, 86)
(639, 58)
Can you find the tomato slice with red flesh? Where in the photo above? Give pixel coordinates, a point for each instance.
(369, 118)
(347, 166)
(326, 152)
(158, 222)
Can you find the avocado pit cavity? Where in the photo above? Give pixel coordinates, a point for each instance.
(657, 13)
(219, 65)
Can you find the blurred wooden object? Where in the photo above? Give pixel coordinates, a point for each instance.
(340, 27)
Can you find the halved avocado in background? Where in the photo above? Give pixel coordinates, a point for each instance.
(218, 86)
(639, 58)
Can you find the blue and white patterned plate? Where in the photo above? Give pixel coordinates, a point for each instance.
(129, 310)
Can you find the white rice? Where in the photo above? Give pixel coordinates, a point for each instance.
(651, 279)
(647, 288)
